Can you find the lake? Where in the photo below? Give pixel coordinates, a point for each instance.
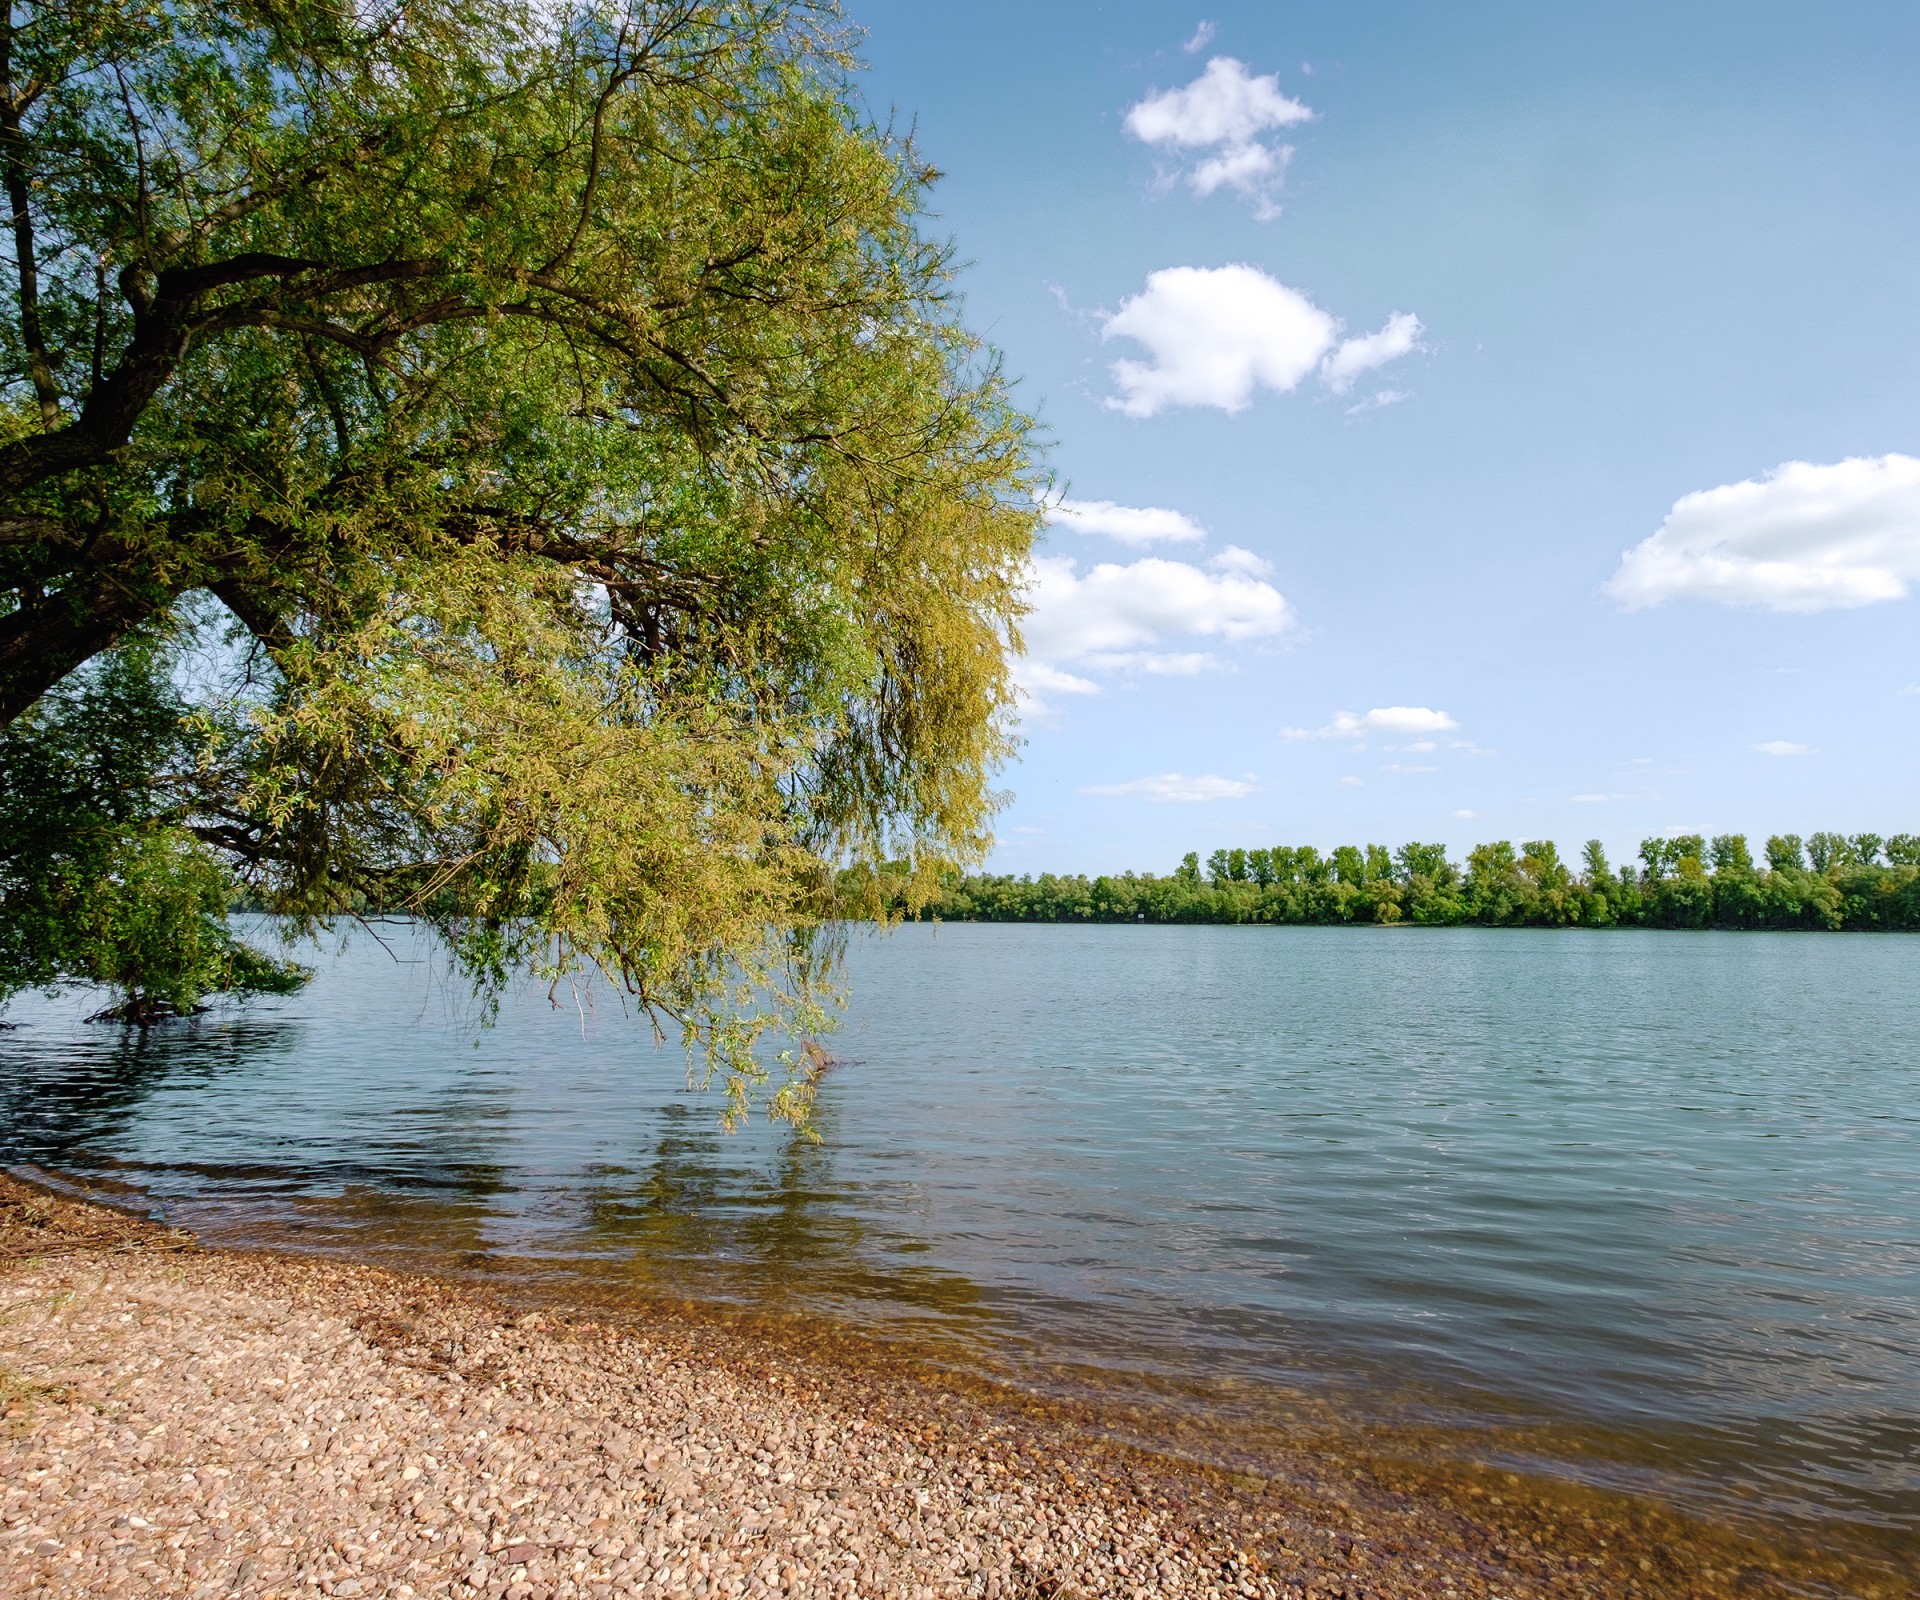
(1641, 1209)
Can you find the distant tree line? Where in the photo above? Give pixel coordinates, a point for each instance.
(1827, 882)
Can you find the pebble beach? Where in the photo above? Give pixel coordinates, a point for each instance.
(184, 1421)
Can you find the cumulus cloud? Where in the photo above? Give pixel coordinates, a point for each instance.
(1351, 782)
(1467, 816)
(1802, 538)
(1784, 747)
(1121, 617)
(1224, 112)
(1171, 787)
(1134, 525)
(1226, 105)
(1110, 614)
(1215, 335)
(1381, 719)
(1398, 337)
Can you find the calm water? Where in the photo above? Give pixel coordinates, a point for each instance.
(1638, 1207)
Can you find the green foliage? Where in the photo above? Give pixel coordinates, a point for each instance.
(1786, 852)
(1730, 853)
(99, 884)
(1530, 888)
(617, 528)
(1827, 850)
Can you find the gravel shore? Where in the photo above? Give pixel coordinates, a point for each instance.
(187, 1422)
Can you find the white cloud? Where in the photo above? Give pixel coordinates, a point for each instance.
(1381, 719)
(1595, 799)
(1398, 337)
(1171, 787)
(1164, 663)
(1784, 747)
(1113, 609)
(1378, 401)
(1119, 617)
(1225, 111)
(1134, 525)
(1351, 782)
(1802, 538)
(1037, 684)
(1405, 719)
(1202, 37)
(1044, 679)
(1216, 334)
(1467, 816)
(1396, 766)
(1232, 558)
(1912, 688)
(1226, 104)
(1250, 168)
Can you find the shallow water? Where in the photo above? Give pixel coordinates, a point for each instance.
(1633, 1207)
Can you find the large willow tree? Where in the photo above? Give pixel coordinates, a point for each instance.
(562, 411)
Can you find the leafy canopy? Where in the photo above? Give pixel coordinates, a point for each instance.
(614, 527)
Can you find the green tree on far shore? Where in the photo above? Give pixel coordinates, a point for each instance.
(1684, 882)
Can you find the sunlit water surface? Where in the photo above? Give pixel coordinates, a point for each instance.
(1634, 1207)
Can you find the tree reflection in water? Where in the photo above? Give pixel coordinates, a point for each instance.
(704, 1220)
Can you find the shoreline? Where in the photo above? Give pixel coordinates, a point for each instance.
(182, 1420)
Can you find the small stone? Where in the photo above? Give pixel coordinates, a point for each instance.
(636, 1465)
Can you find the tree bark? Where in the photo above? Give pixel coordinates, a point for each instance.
(41, 643)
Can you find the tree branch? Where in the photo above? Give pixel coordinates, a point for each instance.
(26, 527)
(41, 643)
(13, 156)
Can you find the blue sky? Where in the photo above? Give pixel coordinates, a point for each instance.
(1412, 321)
